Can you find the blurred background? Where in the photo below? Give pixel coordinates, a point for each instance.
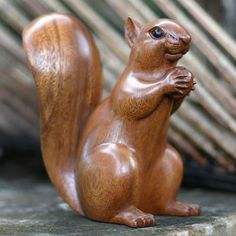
(204, 128)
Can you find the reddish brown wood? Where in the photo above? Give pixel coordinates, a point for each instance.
(66, 67)
(115, 166)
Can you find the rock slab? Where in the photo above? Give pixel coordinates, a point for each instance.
(34, 208)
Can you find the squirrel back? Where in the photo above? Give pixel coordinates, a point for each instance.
(66, 66)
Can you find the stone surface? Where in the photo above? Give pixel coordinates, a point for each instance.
(29, 207)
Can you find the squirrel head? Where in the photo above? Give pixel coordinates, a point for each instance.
(160, 42)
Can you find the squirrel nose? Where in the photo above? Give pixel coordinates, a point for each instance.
(186, 39)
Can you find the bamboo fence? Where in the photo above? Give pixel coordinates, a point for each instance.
(204, 128)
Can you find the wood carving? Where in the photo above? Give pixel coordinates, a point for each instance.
(111, 161)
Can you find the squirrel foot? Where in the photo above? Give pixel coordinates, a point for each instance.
(181, 209)
(134, 217)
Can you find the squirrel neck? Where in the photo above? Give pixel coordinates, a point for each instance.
(149, 71)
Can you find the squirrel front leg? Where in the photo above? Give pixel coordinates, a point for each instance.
(135, 99)
(181, 83)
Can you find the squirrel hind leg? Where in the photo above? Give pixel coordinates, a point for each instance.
(168, 205)
(107, 181)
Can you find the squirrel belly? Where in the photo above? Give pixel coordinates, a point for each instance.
(105, 126)
(65, 64)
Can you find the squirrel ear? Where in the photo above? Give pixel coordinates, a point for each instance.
(132, 30)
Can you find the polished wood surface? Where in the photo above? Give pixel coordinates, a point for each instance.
(111, 164)
(66, 67)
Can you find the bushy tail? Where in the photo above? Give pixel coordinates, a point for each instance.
(66, 67)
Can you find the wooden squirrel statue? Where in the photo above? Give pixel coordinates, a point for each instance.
(110, 161)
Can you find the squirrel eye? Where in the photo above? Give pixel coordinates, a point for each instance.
(157, 33)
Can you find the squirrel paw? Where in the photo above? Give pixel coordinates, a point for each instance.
(179, 82)
(134, 217)
(182, 209)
